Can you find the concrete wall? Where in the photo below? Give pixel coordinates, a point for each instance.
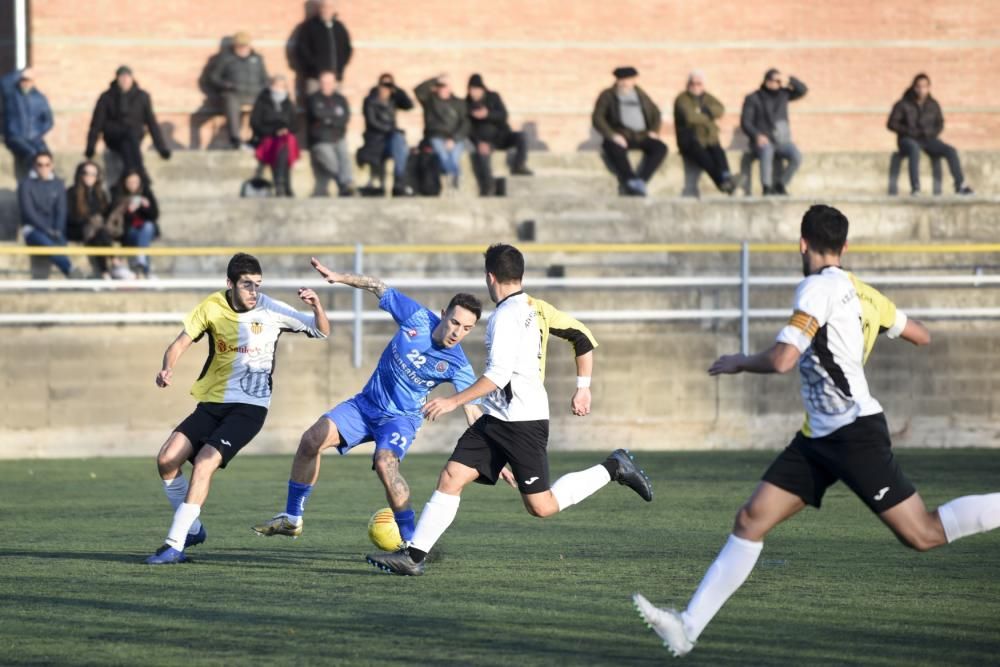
(550, 59)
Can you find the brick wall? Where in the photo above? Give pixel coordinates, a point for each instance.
(550, 59)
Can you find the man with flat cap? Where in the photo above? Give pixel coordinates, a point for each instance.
(626, 117)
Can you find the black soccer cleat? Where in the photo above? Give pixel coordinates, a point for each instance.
(396, 562)
(631, 475)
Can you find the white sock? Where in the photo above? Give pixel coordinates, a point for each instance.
(731, 568)
(438, 514)
(575, 486)
(969, 515)
(176, 490)
(184, 517)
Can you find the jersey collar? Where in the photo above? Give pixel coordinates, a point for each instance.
(509, 296)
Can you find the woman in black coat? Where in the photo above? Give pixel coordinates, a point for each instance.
(87, 210)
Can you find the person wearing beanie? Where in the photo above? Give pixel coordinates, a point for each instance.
(239, 76)
(626, 117)
(696, 113)
(491, 131)
(765, 122)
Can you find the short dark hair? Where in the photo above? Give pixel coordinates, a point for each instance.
(242, 264)
(825, 229)
(467, 301)
(43, 153)
(505, 262)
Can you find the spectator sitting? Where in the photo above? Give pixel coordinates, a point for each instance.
(695, 116)
(323, 44)
(239, 76)
(135, 211)
(383, 138)
(88, 206)
(765, 122)
(42, 200)
(917, 121)
(489, 131)
(27, 118)
(122, 114)
(626, 117)
(327, 114)
(446, 124)
(272, 120)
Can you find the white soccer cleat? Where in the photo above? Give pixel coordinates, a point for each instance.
(666, 623)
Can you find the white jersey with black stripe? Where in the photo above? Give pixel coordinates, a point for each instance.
(514, 362)
(826, 328)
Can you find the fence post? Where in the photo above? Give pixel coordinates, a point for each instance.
(745, 297)
(357, 295)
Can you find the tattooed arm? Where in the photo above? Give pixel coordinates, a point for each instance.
(373, 285)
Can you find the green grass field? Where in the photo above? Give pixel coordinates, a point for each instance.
(832, 587)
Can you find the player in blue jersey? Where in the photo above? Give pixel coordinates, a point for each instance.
(424, 352)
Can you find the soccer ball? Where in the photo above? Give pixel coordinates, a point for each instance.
(383, 531)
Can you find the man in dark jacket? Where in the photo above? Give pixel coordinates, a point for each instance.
(917, 121)
(695, 116)
(322, 44)
(446, 124)
(383, 138)
(626, 117)
(239, 76)
(42, 200)
(765, 122)
(489, 130)
(27, 118)
(123, 114)
(327, 115)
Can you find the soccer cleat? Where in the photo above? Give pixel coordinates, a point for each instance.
(396, 562)
(631, 475)
(166, 555)
(666, 623)
(194, 539)
(279, 525)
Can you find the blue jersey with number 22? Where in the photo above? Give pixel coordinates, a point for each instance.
(411, 364)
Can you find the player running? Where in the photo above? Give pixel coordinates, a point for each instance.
(845, 437)
(424, 353)
(515, 425)
(233, 391)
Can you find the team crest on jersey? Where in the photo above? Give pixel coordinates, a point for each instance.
(412, 333)
(441, 366)
(256, 328)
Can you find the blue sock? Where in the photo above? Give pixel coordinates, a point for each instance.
(407, 522)
(297, 496)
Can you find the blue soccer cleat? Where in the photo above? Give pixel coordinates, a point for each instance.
(194, 539)
(166, 555)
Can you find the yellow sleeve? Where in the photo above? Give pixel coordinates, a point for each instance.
(878, 313)
(561, 325)
(196, 322)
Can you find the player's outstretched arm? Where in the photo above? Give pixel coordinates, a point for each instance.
(445, 404)
(373, 285)
(915, 332)
(170, 357)
(780, 358)
(580, 404)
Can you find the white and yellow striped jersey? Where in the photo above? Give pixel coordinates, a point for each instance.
(242, 347)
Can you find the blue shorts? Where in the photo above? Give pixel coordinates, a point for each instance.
(358, 421)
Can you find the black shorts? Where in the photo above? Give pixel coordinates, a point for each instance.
(491, 443)
(228, 427)
(859, 454)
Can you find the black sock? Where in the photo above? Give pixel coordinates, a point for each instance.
(611, 465)
(416, 554)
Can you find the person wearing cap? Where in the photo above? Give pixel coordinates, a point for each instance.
(27, 118)
(765, 122)
(383, 138)
(489, 130)
(626, 117)
(122, 115)
(446, 124)
(695, 115)
(239, 76)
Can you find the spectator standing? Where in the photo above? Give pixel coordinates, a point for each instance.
(765, 122)
(383, 138)
(239, 76)
(42, 200)
(88, 207)
(122, 115)
(27, 118)
(137, 213)
(327, 115)
(626, 117)
(695, 114)
(323, 44)
(489, 130)
(917, 121)
(272, 120)
(446, 124)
